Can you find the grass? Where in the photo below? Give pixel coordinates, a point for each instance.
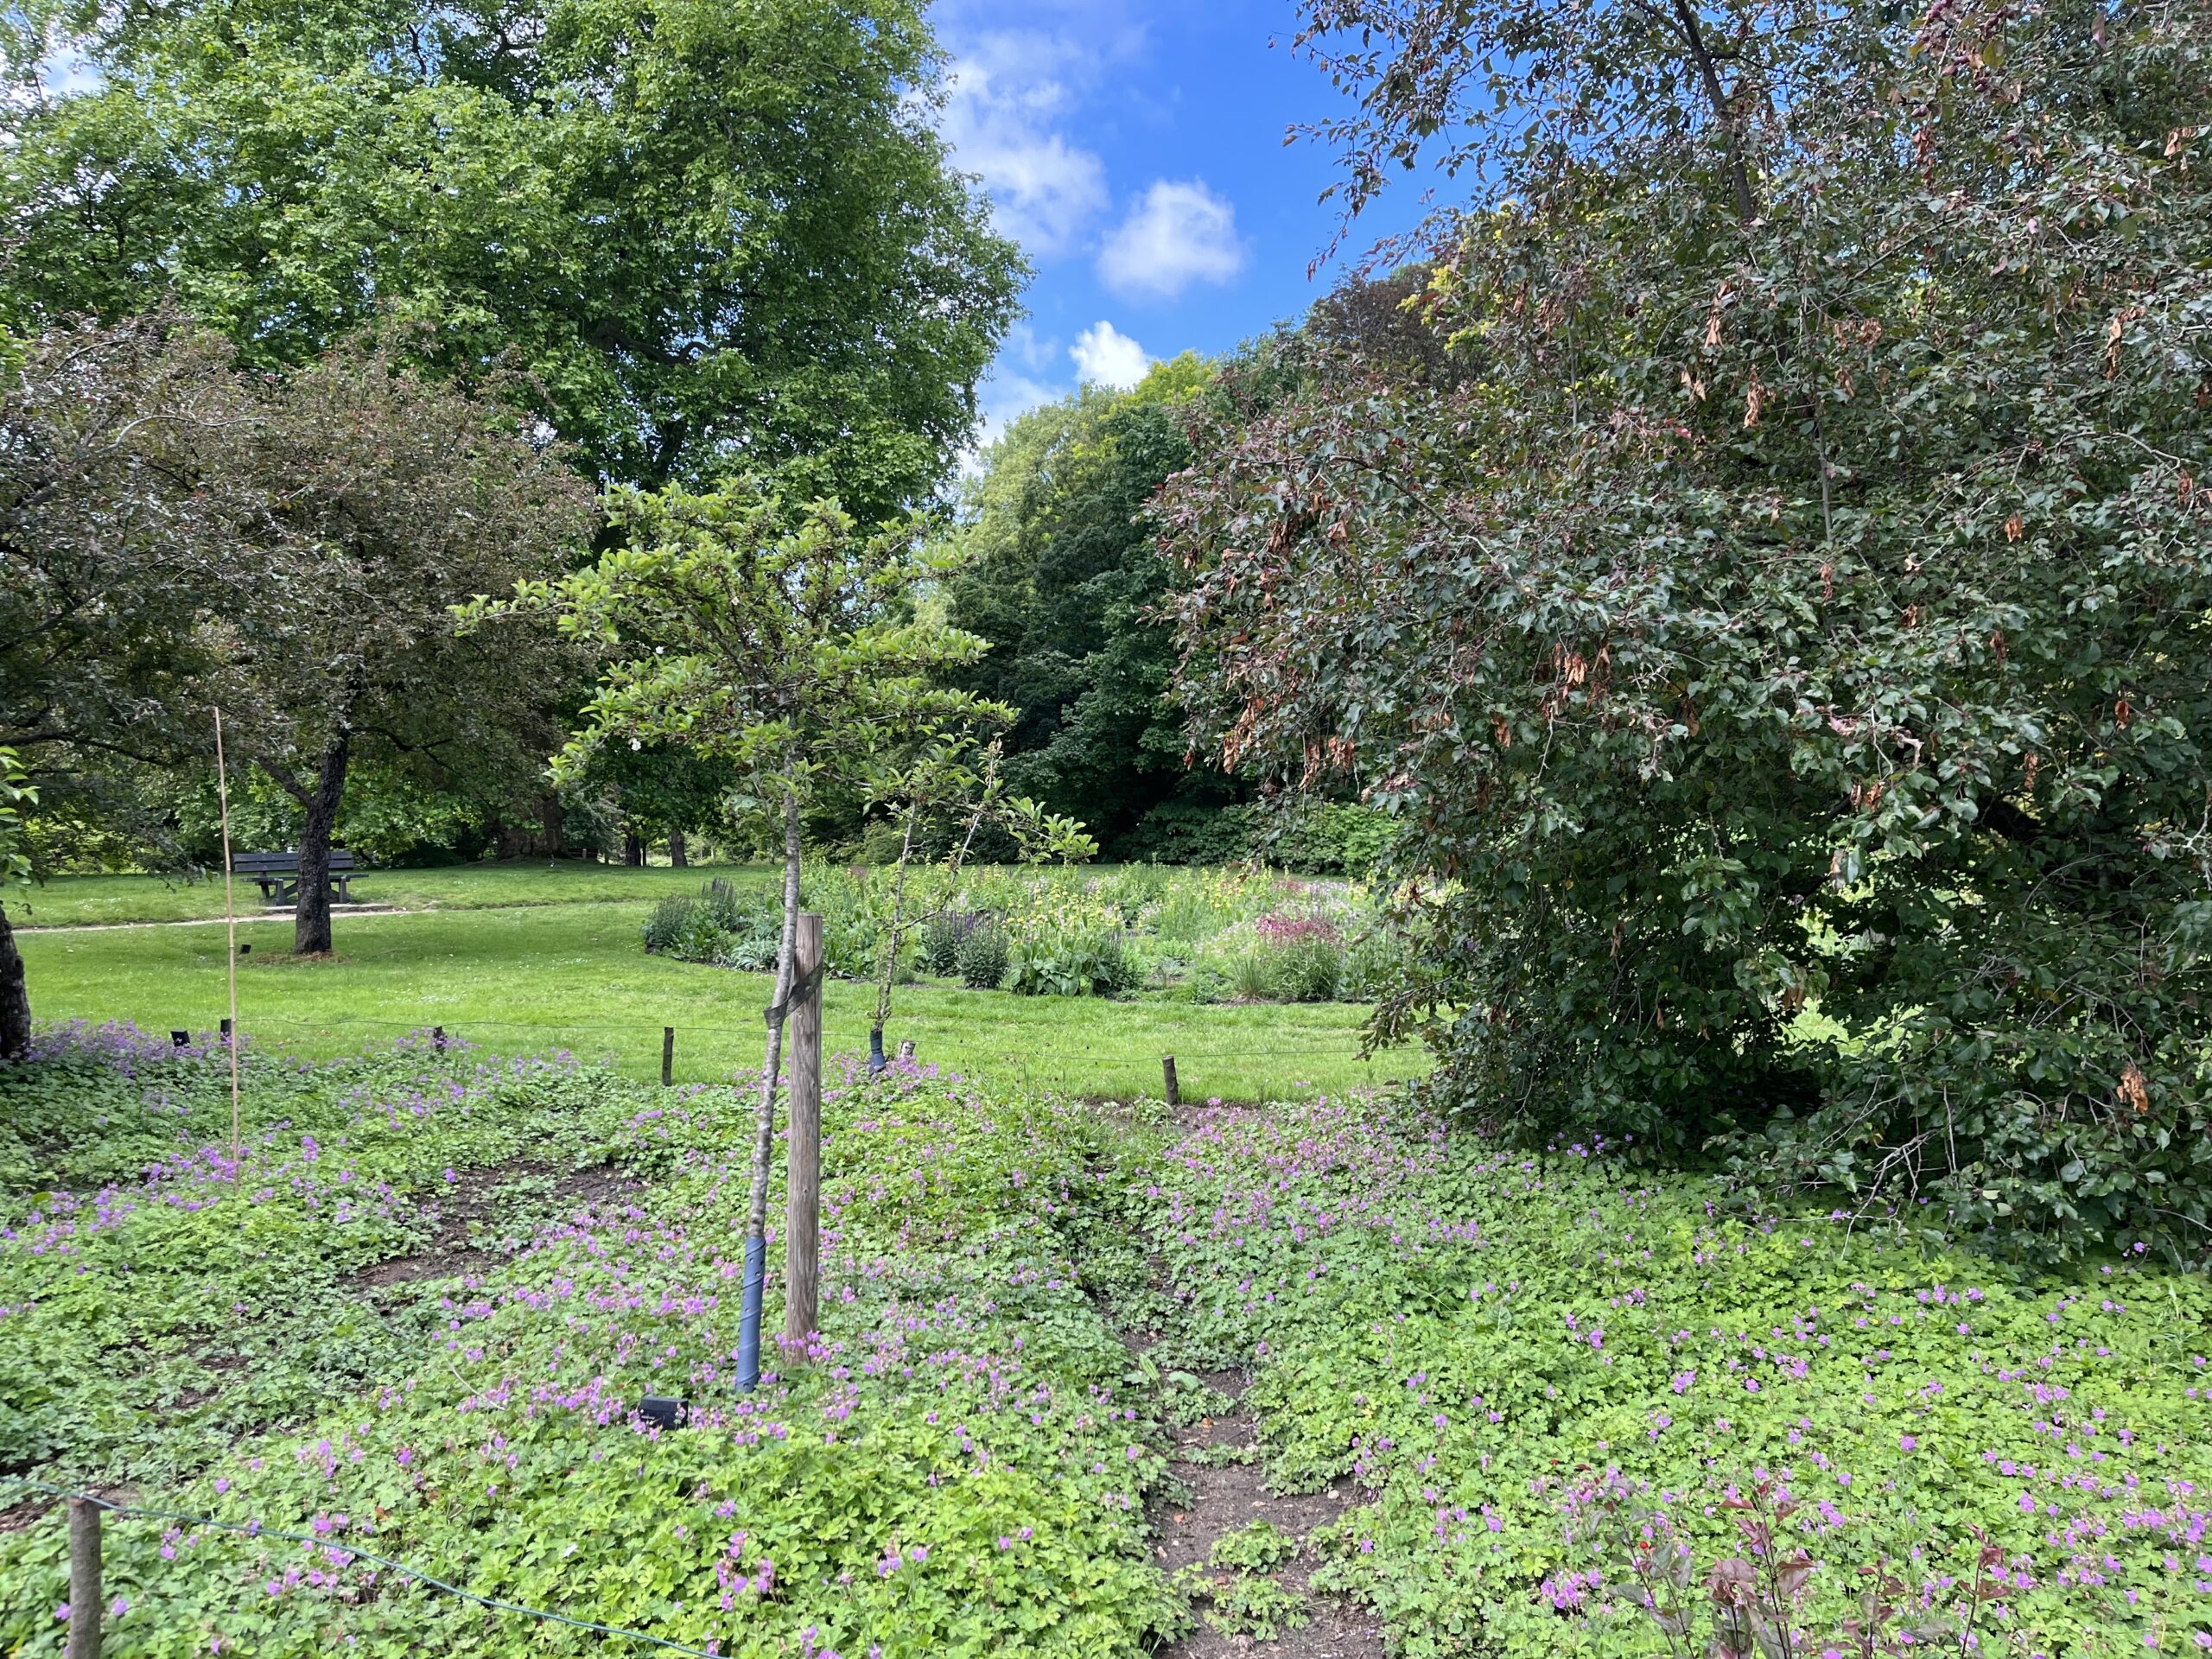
(531, 977)
(85, 900)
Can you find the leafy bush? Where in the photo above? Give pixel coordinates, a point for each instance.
(1781, 628)
(981, 958)
(1178, 832)
(1326, 837)
(942, 935)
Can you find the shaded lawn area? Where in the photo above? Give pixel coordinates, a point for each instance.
(80, 900)
(576, 974)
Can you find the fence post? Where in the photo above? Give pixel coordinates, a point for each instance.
(84, 1580)
(1167, 1075)
(803, 1177)
(438, 1038)
(667, 1056)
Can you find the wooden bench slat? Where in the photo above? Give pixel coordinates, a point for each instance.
(277, 873)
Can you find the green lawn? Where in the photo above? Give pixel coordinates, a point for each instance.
(573, 974)
(77, 900)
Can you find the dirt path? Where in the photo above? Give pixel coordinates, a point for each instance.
(1228, 1494)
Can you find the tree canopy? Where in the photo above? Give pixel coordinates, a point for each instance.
(709, 238)
(1785, 650)
(1059, 574)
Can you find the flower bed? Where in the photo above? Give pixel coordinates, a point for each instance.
(955, 1468)
(1564, 1387)
(1202, 935)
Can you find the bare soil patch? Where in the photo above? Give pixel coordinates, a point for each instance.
(1226, 1496)
(472, 1199)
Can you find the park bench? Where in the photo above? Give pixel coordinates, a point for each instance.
(277, 874)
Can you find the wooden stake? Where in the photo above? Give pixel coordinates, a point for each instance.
(84, 1580)
(803, 1179)
(667, 1056)
(231, 959)
(1167, 1075)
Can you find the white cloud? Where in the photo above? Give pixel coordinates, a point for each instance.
(1033, 351)
(1180, 233)
(1102, 353)
(1002, 97)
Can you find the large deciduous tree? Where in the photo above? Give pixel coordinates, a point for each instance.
(715, 237)
(389, 499)
(177, 531)
(120, 556)
(1060, 574)
(1800, 607)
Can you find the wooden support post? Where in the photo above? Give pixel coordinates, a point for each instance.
(85, 1607)
(803, 1179)
(667, 1056)
(1167, 1075)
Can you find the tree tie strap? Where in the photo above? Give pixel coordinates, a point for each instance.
(798, 992)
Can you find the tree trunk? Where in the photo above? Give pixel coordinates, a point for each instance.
(549, 816)
(311, 916)
(633, 849)
(679, 856)
(888, 965)
(764, 1122)
(15, 1000)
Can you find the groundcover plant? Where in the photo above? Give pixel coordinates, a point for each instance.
(1592, 1411)
(953, 1469)
(1579, 1409)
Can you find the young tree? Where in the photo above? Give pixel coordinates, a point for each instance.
(1799, 605)
(708, 236)
(782, 642)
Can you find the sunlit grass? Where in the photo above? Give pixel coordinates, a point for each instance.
(78, 900)
(573, 974)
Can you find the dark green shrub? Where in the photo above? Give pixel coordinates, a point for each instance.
(1178, 832)
(940, 939)
(667, 921)
(980, 957)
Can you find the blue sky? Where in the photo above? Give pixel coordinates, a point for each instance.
(1134, 148)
